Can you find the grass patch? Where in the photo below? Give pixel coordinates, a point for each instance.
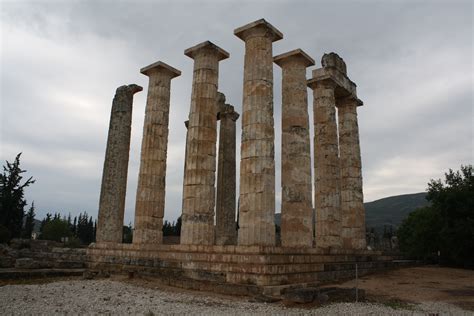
(396, 304)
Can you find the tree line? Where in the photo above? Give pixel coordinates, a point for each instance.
(16, 223)
(443, 231)
(81, 230)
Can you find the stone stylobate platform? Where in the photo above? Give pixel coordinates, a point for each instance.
(199, 180)
(296, 205)
(150, 201)
(257, 165)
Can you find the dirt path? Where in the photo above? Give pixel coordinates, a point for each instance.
(420, 284)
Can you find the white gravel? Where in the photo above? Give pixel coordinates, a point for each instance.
(117, 298)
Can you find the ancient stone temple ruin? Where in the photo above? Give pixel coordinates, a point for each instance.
(319, 242)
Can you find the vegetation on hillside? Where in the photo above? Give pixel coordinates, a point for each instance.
(391, 211)
(446, 227)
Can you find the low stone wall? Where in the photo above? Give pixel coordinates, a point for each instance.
(251, 269)
(40, 254)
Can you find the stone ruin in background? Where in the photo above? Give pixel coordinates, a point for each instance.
(212, 253)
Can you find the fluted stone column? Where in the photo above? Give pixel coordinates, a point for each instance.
(296, 208)
(150, 202)
(226, 230)
(114, 174)
(340, 214)
(352, 199)
(199, 190)
(326, 165)
(257, 165)
(186, 124)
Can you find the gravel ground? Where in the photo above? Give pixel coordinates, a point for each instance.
(113, 297)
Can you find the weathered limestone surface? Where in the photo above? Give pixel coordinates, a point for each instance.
(199, 191)
(296, 209)
(226, 229)
(326, 165)
(150, 202)
(114, 176)
(352, 200)
(333, 79)
(257, 166)
(186, 124)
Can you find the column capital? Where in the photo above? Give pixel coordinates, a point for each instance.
(313, 83)
(123, 96)
(334, 71)
(131, 88)
(295, 55)
(349, 101)
(160, 66)
(259, 26)
(343, 86)
(207, 45)
(228, 111)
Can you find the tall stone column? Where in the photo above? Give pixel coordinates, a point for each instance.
(226, 229)
(114, 174)
(199, 191)
(326, 165)
(296, 208)
(257, 165)
(338, 180)
(352, 199)
(150, 202)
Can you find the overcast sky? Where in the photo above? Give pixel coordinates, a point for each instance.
(61, 62)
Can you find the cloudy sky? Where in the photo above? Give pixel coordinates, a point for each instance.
(61, 62)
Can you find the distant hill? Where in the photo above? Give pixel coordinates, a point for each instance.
(387, 211)
(392, 210)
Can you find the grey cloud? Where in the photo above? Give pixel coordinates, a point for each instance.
(62, 61)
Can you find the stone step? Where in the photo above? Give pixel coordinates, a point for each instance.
(9, 274)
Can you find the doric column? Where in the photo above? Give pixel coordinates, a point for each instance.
(199, 191)
(150, 202)
(332, 87)
(326, 165)
(226, 230)
(352, 199)
(114, 175)
(257, 165)
(296, 207)
(186, 124)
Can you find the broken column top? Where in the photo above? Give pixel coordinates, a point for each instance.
(229, 110)
(159, 65)
(222, 54)
(243, 31)
(335, 61)
(133, 88)
(334, 72)
(294, 54)
(220, 102)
